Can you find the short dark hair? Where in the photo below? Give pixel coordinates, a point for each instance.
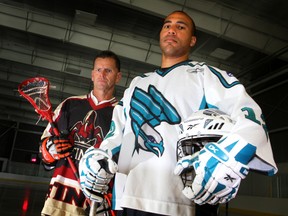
(109, 54)
(193, 23)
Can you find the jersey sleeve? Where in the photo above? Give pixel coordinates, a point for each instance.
(113, 140)
(225, 92)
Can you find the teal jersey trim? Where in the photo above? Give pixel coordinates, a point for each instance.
(205, 105)
(222, 79)
(164, 72)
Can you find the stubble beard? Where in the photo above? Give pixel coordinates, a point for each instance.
(171, 51)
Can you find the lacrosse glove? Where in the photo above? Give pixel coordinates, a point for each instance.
(219, 170)
(54, 148)
(96, 169)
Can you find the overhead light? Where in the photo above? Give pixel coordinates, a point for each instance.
(221, 53)
(84, 17)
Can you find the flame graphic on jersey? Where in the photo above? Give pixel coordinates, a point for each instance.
(148, 110)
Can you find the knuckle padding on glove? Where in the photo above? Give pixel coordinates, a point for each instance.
(63, 148)
(62, 144)
(57, 148)
(220, 155)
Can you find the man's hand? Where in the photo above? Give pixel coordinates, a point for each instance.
(185, 164)
(54, 148)
(218, 170)
(96, 169)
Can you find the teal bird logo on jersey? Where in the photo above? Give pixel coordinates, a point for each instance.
(148, 110)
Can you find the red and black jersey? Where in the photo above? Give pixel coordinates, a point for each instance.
(85, 123)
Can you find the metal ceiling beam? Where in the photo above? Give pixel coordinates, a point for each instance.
(46, 59)
(220, 21)
(273, 75)
(63, 28)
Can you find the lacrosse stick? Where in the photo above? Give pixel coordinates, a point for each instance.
(36, 91)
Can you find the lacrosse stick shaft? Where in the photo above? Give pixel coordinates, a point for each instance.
(93, 205)
(93, 208)
(70, 161)
(36, 91)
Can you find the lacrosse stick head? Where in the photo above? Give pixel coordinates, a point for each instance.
(36, 91)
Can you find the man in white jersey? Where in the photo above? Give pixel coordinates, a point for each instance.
(141, 144)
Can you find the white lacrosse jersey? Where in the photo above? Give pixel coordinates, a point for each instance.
(144, 131)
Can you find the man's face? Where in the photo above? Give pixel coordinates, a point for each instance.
(176, 37)
(105, 74)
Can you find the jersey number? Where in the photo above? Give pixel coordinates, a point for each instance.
(251, 116)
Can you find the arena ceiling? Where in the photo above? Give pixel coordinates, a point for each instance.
(58, 40)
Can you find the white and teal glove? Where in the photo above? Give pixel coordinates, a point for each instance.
(96, 169)
(185, 164)
(219, 169)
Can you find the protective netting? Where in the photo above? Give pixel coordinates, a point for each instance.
(37, 90)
